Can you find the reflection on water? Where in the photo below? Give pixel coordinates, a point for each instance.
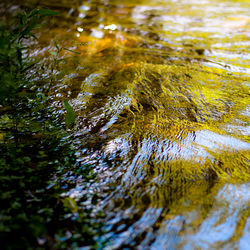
(162, 98)
(224, 224)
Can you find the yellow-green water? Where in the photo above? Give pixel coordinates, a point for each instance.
(161, 93)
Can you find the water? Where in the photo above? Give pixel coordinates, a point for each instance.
(161, 94)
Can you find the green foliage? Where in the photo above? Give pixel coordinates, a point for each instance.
(70, 115)
(57, 57)
(37, 161)
(12, 52)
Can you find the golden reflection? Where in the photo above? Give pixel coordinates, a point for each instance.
(161, 92)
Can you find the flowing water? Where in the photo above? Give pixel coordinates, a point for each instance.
(161, 93)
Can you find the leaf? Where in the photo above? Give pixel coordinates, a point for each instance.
(70, 115)
(53, 53)
(70, 204)
(22, 20)
(78, 53)
(28, 67)
(47, 12)
(76, 59)
(57, 47)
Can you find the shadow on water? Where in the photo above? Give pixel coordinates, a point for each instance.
(161, 92)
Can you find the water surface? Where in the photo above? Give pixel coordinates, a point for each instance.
(161, 93)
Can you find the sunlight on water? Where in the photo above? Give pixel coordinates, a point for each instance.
(161, 94)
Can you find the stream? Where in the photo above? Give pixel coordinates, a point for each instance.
(161, 94)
